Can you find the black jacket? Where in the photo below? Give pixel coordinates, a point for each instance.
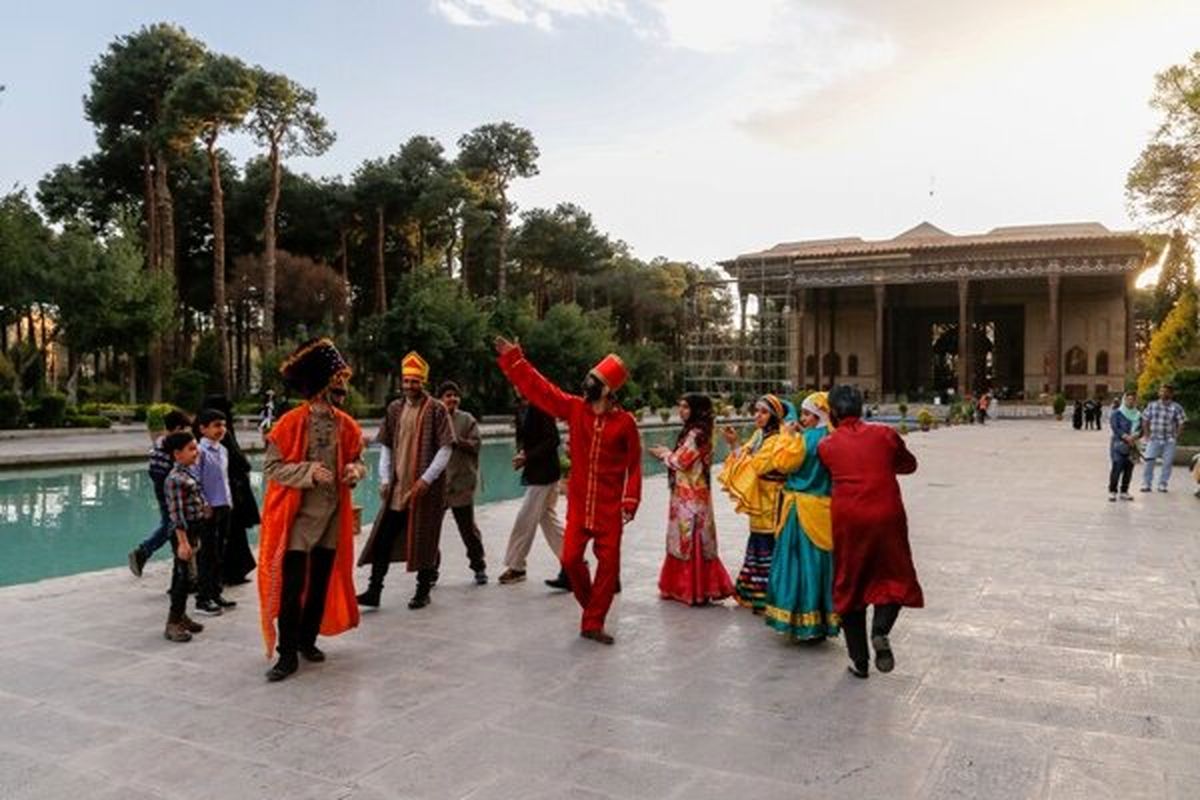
(537, 435)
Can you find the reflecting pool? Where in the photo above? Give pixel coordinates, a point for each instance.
(65, 520)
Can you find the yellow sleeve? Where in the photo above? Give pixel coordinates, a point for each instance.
(789, 453)
(740, 479)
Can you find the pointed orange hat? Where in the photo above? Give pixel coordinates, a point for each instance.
(413, 366)
(611, 371)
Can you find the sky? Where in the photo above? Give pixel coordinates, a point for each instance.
(690, 129)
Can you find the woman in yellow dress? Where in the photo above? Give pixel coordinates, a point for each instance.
(750, 478)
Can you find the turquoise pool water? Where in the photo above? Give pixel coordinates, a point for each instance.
(65, 520)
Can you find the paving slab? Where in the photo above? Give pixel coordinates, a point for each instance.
(1059, 657)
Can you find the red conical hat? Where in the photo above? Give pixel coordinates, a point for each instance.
(611, 372)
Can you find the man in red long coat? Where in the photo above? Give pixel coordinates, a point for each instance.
(605, 486)
(872, 561)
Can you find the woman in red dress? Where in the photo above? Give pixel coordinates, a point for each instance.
(692, 571)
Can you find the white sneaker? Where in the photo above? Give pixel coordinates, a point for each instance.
(1162, 489)
(1126, 496)
(1112, 497)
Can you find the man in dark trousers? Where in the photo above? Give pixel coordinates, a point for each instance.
(417, 444)
(462, 476)
(872, 560)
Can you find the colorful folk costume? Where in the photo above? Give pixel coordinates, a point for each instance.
(417, 440)
(750, 478)
(800, 587)
(306, 547)
(692, 571)
(872, 559)
(605, 484)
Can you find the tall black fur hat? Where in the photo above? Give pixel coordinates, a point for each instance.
(313, 366)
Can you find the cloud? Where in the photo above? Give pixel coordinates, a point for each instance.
(541, 14)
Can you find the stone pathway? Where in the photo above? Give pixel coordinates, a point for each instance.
(1058, 658)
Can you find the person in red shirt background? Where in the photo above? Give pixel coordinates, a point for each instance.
(605, 484)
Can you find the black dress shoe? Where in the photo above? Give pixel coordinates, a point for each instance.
(312, 653)
(598, 636)
(369, 598)
(285, 666)
(562, 582)
(223, 603)
(858, 672)
(420, 600)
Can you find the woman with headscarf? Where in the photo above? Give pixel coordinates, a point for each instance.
(754, 484)
(1126, 425)
(800, 586)
(692, 571)
(237, 560)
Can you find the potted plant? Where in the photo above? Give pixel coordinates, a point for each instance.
(903, 407)
(664, 414)
(925, 419)
(1060, 405)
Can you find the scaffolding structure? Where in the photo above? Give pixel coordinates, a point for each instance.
(753, 356)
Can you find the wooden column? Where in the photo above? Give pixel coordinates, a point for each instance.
(1131, 366)
(799, 300)
(880, 360)
(964, 336)
(1054, 335)
(817, 335)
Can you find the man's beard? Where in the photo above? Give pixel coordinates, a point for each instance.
(593, 389)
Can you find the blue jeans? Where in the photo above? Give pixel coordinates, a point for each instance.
(1156, 448)
(160, 536)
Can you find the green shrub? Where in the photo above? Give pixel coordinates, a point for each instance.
(11, 410)
(8, 373)
(1190, 435)
(1187, 391)
(925, 418)
(101, 392)
(187, 388)
(49, 411)
(903, 406)
(664, 414)
(1060, 404)
(156, 416)
(139, 412)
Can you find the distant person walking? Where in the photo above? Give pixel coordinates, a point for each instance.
(266, 416)
(1077, 416)
(1126, 426)
(1161, 423)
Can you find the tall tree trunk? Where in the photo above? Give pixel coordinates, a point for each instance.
(344, 269)
(165, 213)
(268, 323)
(502, 266)
(220, 328)
(150, 209)
(380, 277)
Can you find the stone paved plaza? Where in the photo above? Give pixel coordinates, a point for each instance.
(1058, 658)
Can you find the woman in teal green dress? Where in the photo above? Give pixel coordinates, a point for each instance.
(800, 586)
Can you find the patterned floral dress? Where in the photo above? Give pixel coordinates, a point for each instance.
(692, 571)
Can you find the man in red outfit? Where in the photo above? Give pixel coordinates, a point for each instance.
(872, 561)
(605, 486)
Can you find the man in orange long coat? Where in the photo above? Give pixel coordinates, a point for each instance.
(605, 486)
(306, 548)
(872, 560)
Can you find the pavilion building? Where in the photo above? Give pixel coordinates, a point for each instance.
(1022, 311)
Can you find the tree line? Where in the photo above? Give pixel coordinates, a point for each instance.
(160, 262)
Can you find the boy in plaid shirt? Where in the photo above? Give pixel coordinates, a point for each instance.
(189, 513)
